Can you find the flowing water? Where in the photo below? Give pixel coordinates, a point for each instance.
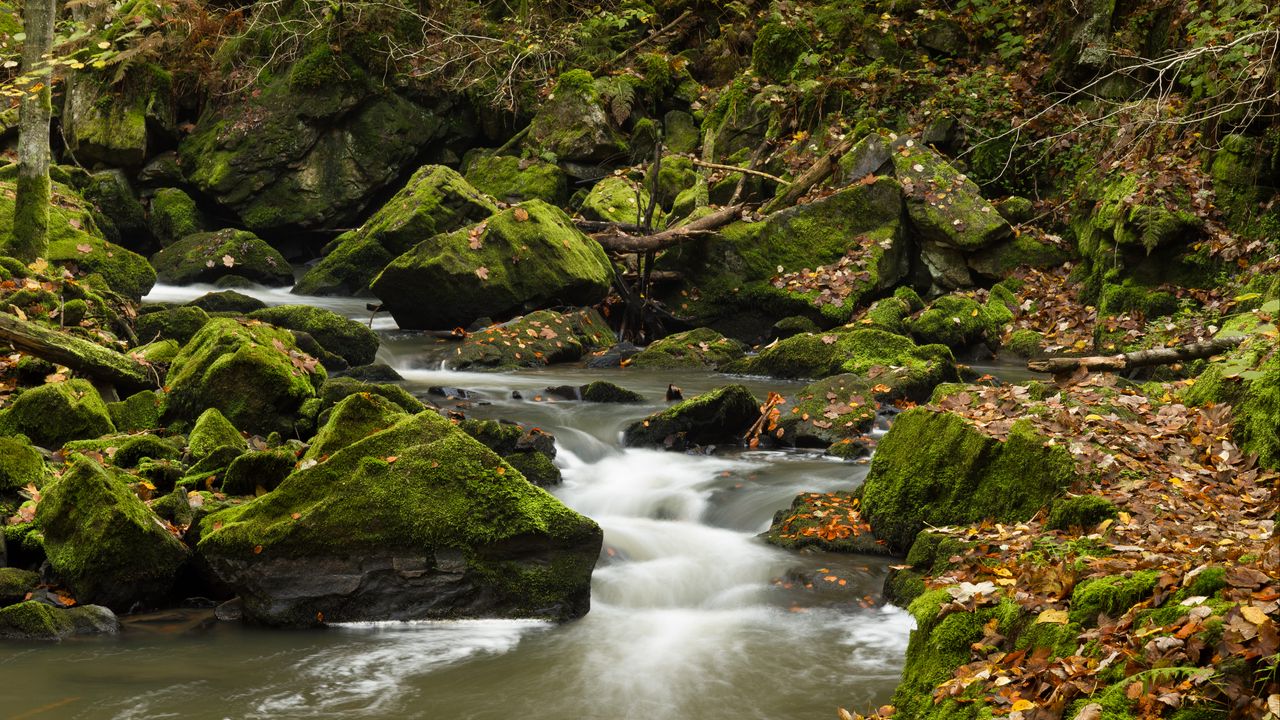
(692, 616)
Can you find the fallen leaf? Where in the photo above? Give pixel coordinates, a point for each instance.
(520, 214)
(482, 272)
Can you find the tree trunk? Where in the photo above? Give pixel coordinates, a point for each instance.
(1140, 358)
(82, 356)
(31, 209)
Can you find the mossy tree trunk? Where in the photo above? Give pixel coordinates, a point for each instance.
(31, 212)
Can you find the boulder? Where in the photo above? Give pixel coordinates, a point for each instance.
(178, 324)
(945, 206)
(720, 416)
(174, 216)
(140, 411)
(106, 123)
(417, 521)
(698, 348)
(680, 132)
(212, 431)
(955, 321)
(603, 391)
(227, 301)
(350, 340)
(352, 419)
(258, 471)
(540, 338)
(832, 410)
(116, 209)
(529, 450)
(20, 465)
(936, 468)
(816, 520)
(572, 123)
(336, 389)
(864, 351)
(523, 258)
(616, 199)
(15, 583)
(252, 373)
(134, 449)
(52, 415)
(34, 620)
(436, 200)
(104, 542)
(205, 257)
(513, 180)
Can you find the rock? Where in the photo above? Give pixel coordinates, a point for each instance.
(253, 373)
(999, 260)
(776, 49)
(792, 325)
(352, 419)
(524, 257)
(529, 450)
(104, 542)
(34, 620)
(835, 409)
(205, 257)
(801, 526)
(336, 389)
(935, 468)
(174, 216)
(212, 431)
(140, 411)
(373, 372)
(15, 583)
(947, 267)
(945, 206)
(870, 156)
(255, 469)
(540, 338)
(603, 391)
(228, 301)
(179, 324)
(108, 124)
(513, 180)
(163, 169)
(446, 529)
(116, 209)
(946, 134)
(1016, 210)
(1025, 343)
(676, 175)
(719, 416)
(945, 37)
(310, 155)
(436, 200)
(866, 352)
(699, 348)
(52, 415)
(616, 199)
(572, 123)
(350, 340)
(143, 447)
(614, 356)
(680, 132)
(955, 321)
(20, 465)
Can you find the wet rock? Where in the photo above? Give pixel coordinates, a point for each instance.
(174, 216)
(699, 348)
(205, 257)
(52, 415)
(603, 391)
(834, 410)
(228, 301)
(513, 180)
(435, 200)
(416, 521)
(34, 620)
(866, 352)
(104, 542)
(529, 450)
(352, 341)
(534, 340)
(573, 125)
(178, 324)
(826, 521)
(614, 356)
(719, 416)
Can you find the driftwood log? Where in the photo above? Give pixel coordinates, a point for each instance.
(82, 356)
(1140, 358)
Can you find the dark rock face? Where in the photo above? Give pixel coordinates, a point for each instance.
(34, 620)
(720, 416)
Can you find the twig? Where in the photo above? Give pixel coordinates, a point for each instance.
(735, 168)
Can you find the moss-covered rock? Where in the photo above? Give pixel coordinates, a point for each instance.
(227, 301)
(15, 583)
(446, 529)
(1080, 511)
(212, 431)
(107, 121)
(811, 519)
(258, 471)
(999, 260)
(336, 389)
(104, 542)
(722, 415)
(179, 324)
(353, 418)
(616, 199)
(116, 209)
(252, 373)
(205, 257)
(140, 411)
(1111, 595)
(603, 391)
(935, 468)
(35, 620)
(931, 555)
(680, 132)
(51, 415)
(699, 348)
(524, 257)
(831, 410)
(527, 449)
(352, 341)
(1025, 343)
(776, 49)
(174, 215)
(513, 180)
(955, 321)
(20, 465)
(573, 126)
(944, 205)
(863, 351)
(137, 448)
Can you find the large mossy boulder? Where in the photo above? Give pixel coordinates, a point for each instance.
(20, 465)
(698, 348)
(616, 199)
(955, 321)
(353, 418)
(104, 542)
(513, 180)
(52, 415)
(936, 468)
(212, 431)
(540, 338)
(722, 415)
(435, 200)
(206, 257)
(174, 215)
(107, 122)
(119, 215)
(352, 341)
(417, 521)
(251, 372)
(523, 258)
(946, 208)
(573, 125)
(178, 324)
(310, 152)
(34, 620)
(863, 351)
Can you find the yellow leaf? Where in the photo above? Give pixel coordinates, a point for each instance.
(1056, 617)
(1253, 614)
(1023, 706)
(1126, 518)
(1105, 524)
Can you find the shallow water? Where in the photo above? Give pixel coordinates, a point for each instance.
(692, 617)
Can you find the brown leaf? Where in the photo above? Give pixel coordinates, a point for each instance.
(520, 214)
(482, 272)
(228, 261)
(84, 248)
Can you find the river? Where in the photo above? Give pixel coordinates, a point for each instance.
(692, 616)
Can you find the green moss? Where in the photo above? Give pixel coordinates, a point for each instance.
(139, 447)
(616, 199)
(54, 414)
(257, 471)
(546, 335)
(323, 67)
(830, 410)
(212, 431)
(1025, 343)
(890, 315)
(352, 419)
(776, 49)
(336, 389)
(572, 125)
(1129, 297)
(1023, 250)
(603, 391)
(1080, 511)
(140, 411)
(910, 297)
(1112, 595)
(204, 257)
(699, 348)
(179, 324)
(15, 583)
(514, 180)
(20, 465)
(1248, 379)
(174, 216)
(353, 341)
(935, 468)
(1061, 640)
(956, 321)
(536, 467)
(34, 620)
(964, 220)
(721, 415)
(914, 368)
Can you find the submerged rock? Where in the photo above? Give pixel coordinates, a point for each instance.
(416, 521)
(525, 257)
(104, 542)
(719, 416)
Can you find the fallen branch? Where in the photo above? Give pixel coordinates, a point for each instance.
(82, 356)
(814, 175)
(735, 168)
(1140, 358)
(618, 241)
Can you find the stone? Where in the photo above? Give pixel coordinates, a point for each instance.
(116, 209)
(681, 134)
(603, 391)
(205, 257)
(34, 620)
(616, 199)
(572, 123)
(258, 471)
(513, 180)
(945, 207)
(352, 341)
(223, 301)
(54, 414)
(20, 465)
(212, 431)
(720, 416)
(178, 324)
(174, 216)
(860, 351)
(548, 337)
(698, 348)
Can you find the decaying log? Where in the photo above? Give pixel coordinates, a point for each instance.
(1140, 358)
(814, 175)
(82, 356)
(618, 241)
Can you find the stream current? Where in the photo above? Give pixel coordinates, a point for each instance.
(692, 617)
